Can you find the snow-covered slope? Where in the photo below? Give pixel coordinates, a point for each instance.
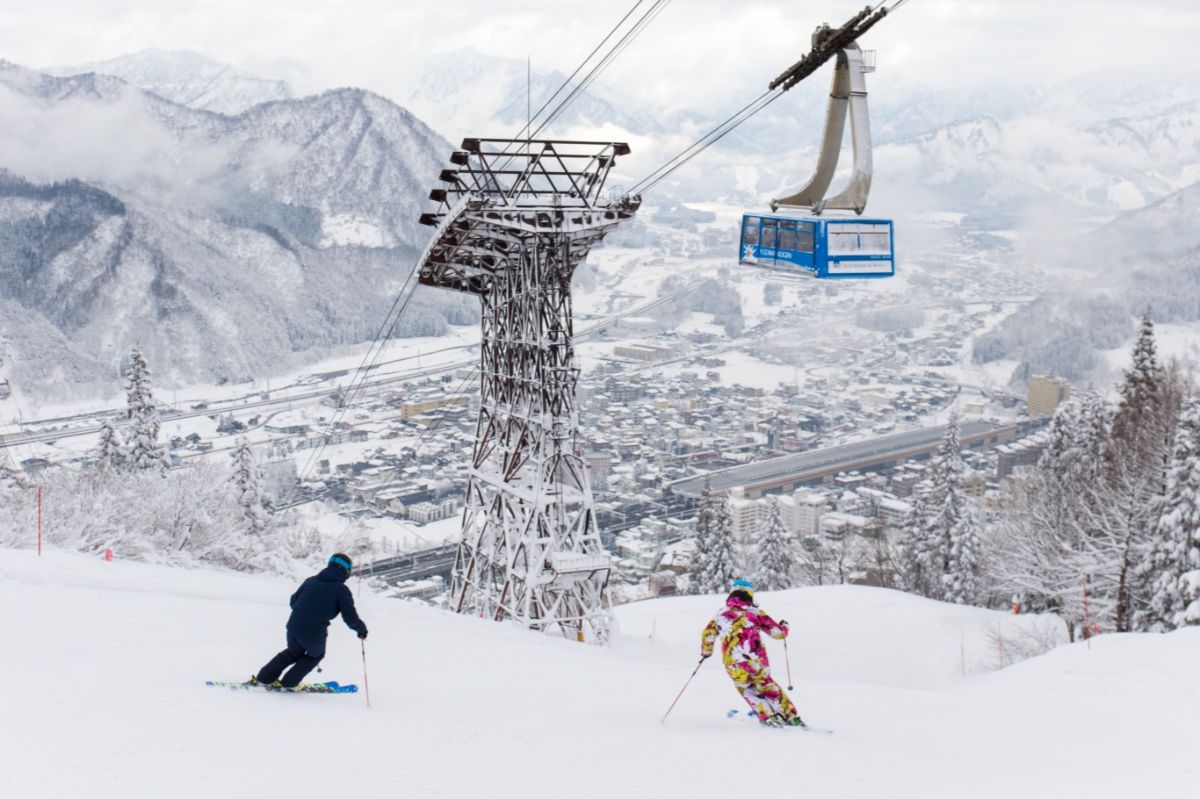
(104, 666)
(188, 78)
(224, 245)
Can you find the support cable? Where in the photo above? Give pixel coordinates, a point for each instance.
(524, 134)
(834, 41)
(605, 62)
(369, 362)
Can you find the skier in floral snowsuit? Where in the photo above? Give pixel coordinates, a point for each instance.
(745, 658)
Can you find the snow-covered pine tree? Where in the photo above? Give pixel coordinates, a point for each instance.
(704, 526)
(1063, 435)
(1127, 503)
(248, 491)
(776, 555)
(1141, 396)
(961, 582)
(110, 454)
(1091, 459)
(940, 542)
(718, 561)
(143, 451)
(914, 545)
(953, 523)
(1174, 560)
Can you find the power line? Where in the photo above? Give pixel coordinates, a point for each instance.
(620, 47)
(524, 134)
(606, 60)
(369, 362)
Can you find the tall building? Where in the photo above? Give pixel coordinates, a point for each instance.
(801, 512)
(1045, 393)
(748, 516)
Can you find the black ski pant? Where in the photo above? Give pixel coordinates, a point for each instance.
(303, 653)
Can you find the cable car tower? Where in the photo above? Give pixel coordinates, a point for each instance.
(516, 217)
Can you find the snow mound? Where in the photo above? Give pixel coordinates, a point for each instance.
(105, 664)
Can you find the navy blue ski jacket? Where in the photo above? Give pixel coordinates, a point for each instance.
(319, 600)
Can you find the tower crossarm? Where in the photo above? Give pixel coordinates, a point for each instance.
(504, 192)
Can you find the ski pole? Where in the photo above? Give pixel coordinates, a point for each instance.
(366, 685)
(684, 688)
(788, 661)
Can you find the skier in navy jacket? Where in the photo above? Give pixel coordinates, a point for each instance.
(317, 601)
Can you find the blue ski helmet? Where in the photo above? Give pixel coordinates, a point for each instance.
(743, 584)
(341, 561)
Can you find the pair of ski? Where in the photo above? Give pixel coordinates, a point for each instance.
(738, 714)
(305, 688)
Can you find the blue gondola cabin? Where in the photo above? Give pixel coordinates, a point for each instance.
(818, 246)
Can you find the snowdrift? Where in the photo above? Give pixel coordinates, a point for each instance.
(104, 667)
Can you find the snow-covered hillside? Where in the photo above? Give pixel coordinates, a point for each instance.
(187, 78)
(104, 665)
(223, 244)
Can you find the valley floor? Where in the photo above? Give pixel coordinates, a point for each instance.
(103, 695)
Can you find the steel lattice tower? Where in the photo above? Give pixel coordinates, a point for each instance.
(514, 221)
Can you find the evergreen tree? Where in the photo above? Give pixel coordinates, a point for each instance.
(1142, 429)
(718, 560)
(1091, 459)
(1174, 562)
(110, 454)
(916, 546)
(954, 530)
(776, 558)
(1063, 436)
(960, 583)
(248, 491)
(144, 451)
(705, 523)
(940, 541)
(1141, 391)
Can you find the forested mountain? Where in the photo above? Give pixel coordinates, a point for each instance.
(225, 246)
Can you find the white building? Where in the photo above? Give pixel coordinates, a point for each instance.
(801, 512)
(425, 512)
(892, 512)
(748, 515)
(836, 526)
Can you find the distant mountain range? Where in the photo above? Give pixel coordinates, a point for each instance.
(223, 245)
(187, 78)
(231, 228)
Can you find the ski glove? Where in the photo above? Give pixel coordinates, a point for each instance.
(362, 634)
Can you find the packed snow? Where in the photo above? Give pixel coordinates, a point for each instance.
(105, 664)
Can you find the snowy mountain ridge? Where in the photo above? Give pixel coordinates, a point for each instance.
(187, 78)
(227, 245)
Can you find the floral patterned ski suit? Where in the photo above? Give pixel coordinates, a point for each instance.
(745, 658)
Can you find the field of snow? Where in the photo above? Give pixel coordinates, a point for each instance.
(104, 669)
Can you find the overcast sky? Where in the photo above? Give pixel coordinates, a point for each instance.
(696, 50)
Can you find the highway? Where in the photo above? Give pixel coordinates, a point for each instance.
(805, 466)
(412, 566)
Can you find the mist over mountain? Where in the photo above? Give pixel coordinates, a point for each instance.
(225, 246)
(247, 227)
(187, 78)
(469, 93)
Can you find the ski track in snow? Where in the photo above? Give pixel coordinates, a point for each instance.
(105, 664)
